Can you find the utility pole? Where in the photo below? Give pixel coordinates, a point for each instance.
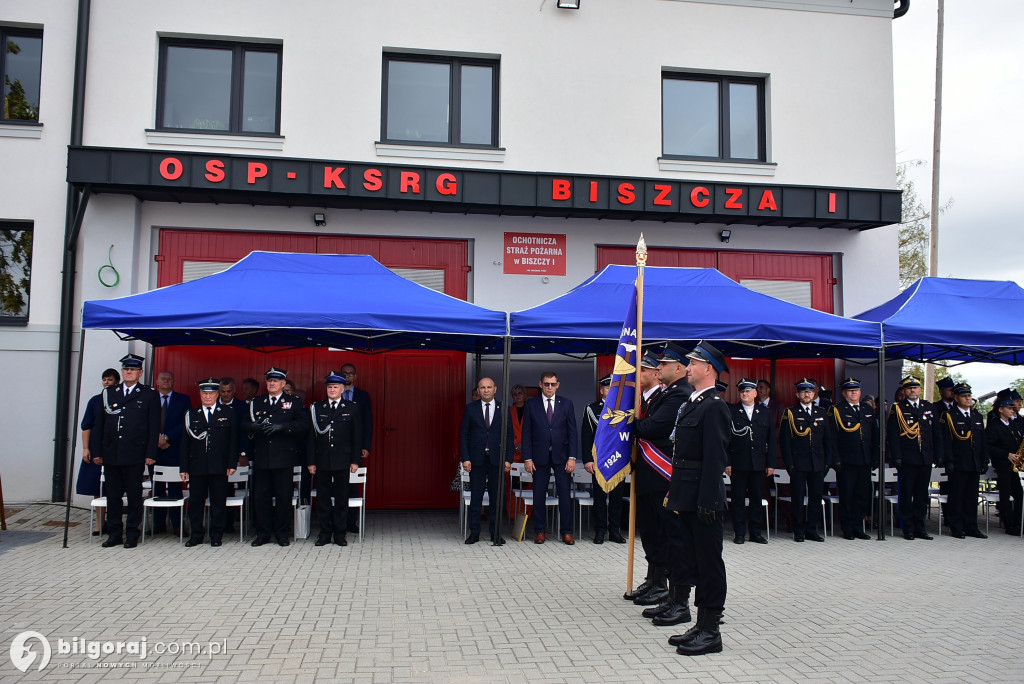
(933, 261)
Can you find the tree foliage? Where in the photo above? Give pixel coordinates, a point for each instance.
(15, 271)
(16, 104)
(914, 229)
(932, 393)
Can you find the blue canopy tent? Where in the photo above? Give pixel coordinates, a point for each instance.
(271, 300)
(949, 319)
(688, 304)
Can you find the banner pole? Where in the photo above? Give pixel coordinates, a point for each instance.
(641, 260)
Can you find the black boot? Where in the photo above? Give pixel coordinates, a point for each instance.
(679, 608)
(657, 592)
(658, 609)
(644, 586)
(707, 638)
(678, 639)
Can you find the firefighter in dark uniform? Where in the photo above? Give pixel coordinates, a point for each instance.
(1005, 431)
(658, 417)
(607, 505)
(805, 446)
(208, 457)
(332, 455)
(965, 456)
(853, 428)
(696, 497)
(753, 452)
(277, 424)
(915, 445)
(126, 429)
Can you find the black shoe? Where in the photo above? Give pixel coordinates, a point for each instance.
(111, 542)
(798, 537)
(322, 541)
(923, 535)
(814, 536)
(354, 529)
(738, 539)
(848, 535)
(657, 610)
(676, 614)
(705, 637)
(908, 535)
(599, 538)
(473, 538)
(977, 534)
(861, 535)
(96, 533)
(616, 538)
(215, 543)
(192, 542)
(260, 541)
(340, 541)
(498, 541)
(958, 535)
(758, 539)
(131, 544)
(283, 542)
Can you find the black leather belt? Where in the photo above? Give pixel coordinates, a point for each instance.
(683, 464)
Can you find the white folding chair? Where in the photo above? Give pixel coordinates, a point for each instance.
(891, 478)
(467, 496)
(581, 495)
(168, 474)
(831, 478)
(523, 494)
(782, 477)
(746, 502)
(238, 500)
(988, 493)
(359, 478)
(938, 475)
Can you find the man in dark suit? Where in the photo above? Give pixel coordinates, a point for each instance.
(333, 454)
(480, 450)
(752, 457)
(853, 437)
(550, 443)
(806, 452)
(362, 400)
(241, 408)
(607, 505)
(277, 424)
(765, 398)
(915, 445)
(696, 497)
(965, 446)
(173, 407)
(1005, 432)
(126, 427)
(208, 456)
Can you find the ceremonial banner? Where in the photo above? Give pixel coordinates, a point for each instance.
(613, 439)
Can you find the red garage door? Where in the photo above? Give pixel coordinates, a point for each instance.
(417, 397)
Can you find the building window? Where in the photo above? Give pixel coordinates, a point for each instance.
(713, 117)
(15, 272)
(21, 62)
(440, 101)
(219, 87)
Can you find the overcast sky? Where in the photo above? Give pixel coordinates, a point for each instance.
(982, 144)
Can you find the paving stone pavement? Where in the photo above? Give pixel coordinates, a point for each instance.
(411, 603)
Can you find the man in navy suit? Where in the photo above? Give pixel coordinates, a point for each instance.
(550, 443)
(480, 447)
(362, 399)
(173, 407)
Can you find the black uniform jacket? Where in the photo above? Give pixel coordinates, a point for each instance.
(1003, 440)
(126, 429)
(913, 435)
(853, 434)
(591, 417)
(656, 427)
(965, 442)
(699, 454)
(804, 440)
(753, 445)
(336, 437)
(283, 449)
(210, 448)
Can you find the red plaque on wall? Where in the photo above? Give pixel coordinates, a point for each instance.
(534, 254)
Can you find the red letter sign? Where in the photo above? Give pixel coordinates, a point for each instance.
(215, 170)
(446, 184)
(332, 177)
(171, 168)
(256, 170)
(561, 189)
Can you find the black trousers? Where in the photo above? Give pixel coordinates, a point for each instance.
(124, 480)
(747, 484)
(696, 554)
(811, 485)
(563, 481)
(914, 497)
(854, 496)
(200, 487)
(273, 519)
(677, 554)
(962, 506)
(483, 478)
(1009, 485)
(651, 527)
(608, 508)
(333, 514)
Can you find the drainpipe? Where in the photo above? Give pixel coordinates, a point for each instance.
(75, 209)
(904, 7)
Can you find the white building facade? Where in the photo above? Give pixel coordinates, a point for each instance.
(433, 136)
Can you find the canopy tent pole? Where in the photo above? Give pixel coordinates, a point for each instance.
(881, 439)
(498, 509)
(74, 439)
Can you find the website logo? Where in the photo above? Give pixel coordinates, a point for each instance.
(23, 655)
